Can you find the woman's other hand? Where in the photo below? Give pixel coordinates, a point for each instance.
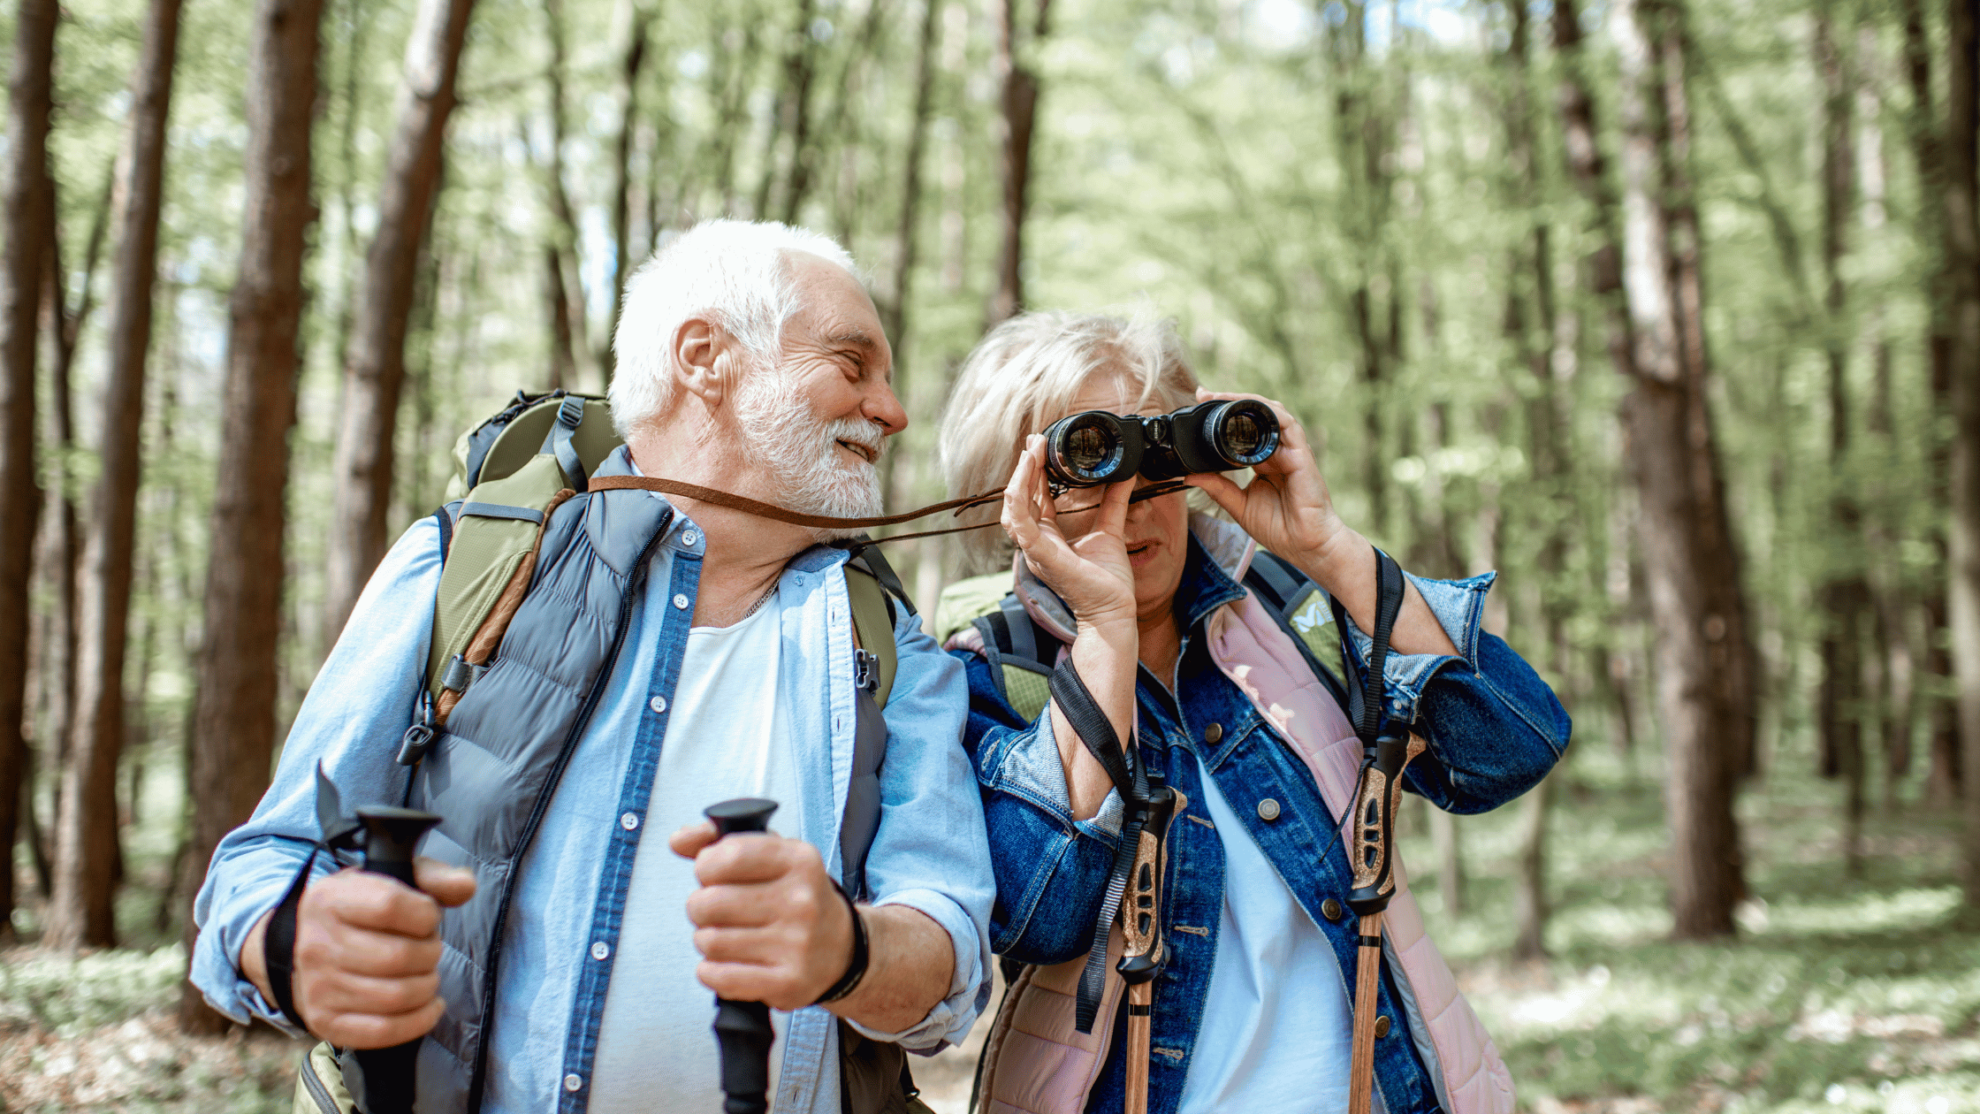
(1090, 572)
(1286, 507)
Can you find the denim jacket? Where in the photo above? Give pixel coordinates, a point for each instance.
(929, 852)
(1494, 729)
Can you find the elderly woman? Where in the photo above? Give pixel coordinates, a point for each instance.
(1202, 640)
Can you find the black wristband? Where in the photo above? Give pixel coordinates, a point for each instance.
(861, 955)
(278, 946)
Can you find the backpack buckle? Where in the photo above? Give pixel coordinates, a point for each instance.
(413, 746)
(866, 671)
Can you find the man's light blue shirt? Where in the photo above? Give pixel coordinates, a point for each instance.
(930, 851)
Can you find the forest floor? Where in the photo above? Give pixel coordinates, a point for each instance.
(1839, 995)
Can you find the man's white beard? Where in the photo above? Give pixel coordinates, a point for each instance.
(802, 454)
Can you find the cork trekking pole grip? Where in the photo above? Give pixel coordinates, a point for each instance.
(1372, 843)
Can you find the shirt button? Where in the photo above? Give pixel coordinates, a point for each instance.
(600, 950)
(1382, 1026)
(1268, 809)
(1330, 909)
(1213, 734)
(658, 704)
(573, 1082)
(629, 821)
(690, 538)
(680, 601)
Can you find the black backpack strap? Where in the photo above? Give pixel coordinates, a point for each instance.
(1022, 632)
(1366, 708)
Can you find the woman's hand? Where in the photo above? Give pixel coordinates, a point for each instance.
(1286, 507)
(1090, 573)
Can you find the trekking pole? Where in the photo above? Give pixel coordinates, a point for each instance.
(387, 1083)
(742, 1029)
(1376, 797)
(1143, 950)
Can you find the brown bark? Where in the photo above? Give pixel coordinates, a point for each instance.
(1960, 283)
(1703, 655)
(893, 312)
(1018, 114)
(564, 229)
(800, 69)
(24, 209)
(1845, 595)
(1942, 784)
(563, 373)
(80, 913)
(374, 369)
(233, 737)
(633, 18)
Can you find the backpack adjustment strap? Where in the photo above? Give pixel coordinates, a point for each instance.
(1083, 713)
(459, 674)
(866, 670)
(570, 414)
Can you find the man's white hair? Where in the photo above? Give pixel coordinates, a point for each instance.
(735, 273)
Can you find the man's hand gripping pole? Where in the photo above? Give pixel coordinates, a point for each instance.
(742, 1029)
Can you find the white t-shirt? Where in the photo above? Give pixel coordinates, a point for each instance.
(1275, 1031)
(727, 737)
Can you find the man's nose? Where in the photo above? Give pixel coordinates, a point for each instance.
(884, 407)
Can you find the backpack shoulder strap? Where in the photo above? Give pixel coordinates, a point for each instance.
(1303, 611)
(873, 622)
(1021, 656)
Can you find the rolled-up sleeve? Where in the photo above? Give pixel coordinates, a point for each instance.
(930, 852)
(357, 709)
(1493, 726)
(1051, 869)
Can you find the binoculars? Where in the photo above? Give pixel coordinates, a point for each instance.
(1095, 447)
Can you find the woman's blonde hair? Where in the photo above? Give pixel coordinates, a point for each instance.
(1023, 376)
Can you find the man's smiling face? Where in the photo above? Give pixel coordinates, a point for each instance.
(819, 417)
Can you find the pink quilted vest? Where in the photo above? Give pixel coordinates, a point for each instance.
(1037, 1062)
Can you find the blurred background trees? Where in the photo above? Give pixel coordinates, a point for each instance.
(1667, 309)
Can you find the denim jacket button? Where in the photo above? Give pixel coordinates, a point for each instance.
(1214, 734)
(1268, 809)
(1382, 1026)
(1330, 909)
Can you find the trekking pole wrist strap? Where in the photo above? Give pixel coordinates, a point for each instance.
(862, 954)
(278, 945)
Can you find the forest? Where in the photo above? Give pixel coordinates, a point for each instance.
(1668, 310)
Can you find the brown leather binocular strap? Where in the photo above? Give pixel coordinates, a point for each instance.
(827, 522)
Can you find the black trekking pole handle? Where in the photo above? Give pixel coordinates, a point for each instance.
(742, 1029)
(389, 837)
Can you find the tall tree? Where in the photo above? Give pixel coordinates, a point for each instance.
(632, 19)
(1960, 285)
(794, 120)
(1942, 785)
(233, 738)
(569, 269)
(24, 209)
(375, 367)
(893, 310)
(1704, 658)
(1845, 594)
(1018, 115)
(80, 913)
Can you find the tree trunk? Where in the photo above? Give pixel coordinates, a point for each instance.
(1960, 282)
(233, 738)
(374, 369)
(557, 306)
(1692, 568)
(564, 228)
(633, 18)
(893, 313)
(24, 208)
(1018, 104)
(800, 68)
(1845, 595)
(1530, 327)
(1942, 785)
(80, 913)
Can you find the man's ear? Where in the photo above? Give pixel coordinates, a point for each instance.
(704, 360)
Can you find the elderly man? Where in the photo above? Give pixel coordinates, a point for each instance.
(750, 361)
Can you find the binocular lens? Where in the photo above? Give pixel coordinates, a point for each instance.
(1085, 449)
(1245, 433)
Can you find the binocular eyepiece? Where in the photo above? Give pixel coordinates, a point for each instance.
(1095, 447)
